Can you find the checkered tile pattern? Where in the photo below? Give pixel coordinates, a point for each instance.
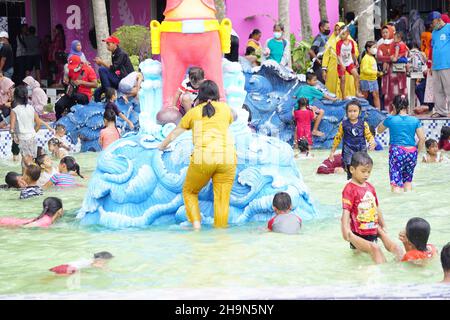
(432, 128)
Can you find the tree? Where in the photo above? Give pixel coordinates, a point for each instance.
(365, 22)
(221, 9)
(283, 18)
(101, 28)
(323, 10)
(306, 20)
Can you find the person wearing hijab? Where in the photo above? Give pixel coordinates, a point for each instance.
(75, 49)
(39, 98)
(329, 66)
(416, 28)
(6, 97)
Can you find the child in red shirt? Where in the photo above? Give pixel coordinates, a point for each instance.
(444, 140)
(399, 49)
(361, 217)
(303, 117)
(330, 167)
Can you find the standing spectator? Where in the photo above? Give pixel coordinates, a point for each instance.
(276, 46)
(6, 56)
(369, 74)
(39, 98)
(33, 54)
(21, 53)
(403, 150)
(111, 74)
(416, 28)
(57, 55)
(254, 41)
(425, 39)
(322, 38)
(6, 95)
(82, 79)
(441, 63)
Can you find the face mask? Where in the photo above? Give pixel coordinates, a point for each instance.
(327, 32)
(374, 51)
(277, 35)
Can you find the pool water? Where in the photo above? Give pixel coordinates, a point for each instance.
(240, 262)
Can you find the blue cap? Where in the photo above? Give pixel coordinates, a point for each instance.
(433, 15)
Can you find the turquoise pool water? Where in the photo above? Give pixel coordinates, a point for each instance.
(240, 262)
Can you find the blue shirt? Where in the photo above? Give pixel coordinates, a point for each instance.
(309, 92)
(402, 130)
(440, 42)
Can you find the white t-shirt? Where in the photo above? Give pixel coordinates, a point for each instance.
(346, 53)
(25, 122)
(45, 177)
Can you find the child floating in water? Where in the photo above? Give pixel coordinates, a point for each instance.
(53, 210)
(188, 91)
(445, 261)
(31, 177)
(284, 221)
(361, 217)
(99, 261)
(414, 239)
(64, 178)
(15, 180)
(47, 169)
(433, 154)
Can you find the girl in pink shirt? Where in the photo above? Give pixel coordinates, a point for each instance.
(110, 133)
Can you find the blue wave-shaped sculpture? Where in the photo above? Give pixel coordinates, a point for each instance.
(137, 185)
(85, 122)
(270, 98)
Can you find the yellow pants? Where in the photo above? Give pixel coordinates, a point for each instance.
(198, 176)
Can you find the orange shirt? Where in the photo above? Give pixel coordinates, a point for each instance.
(420, 255)
(426, 42)
(107, 136)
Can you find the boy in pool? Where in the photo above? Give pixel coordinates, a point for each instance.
(445, 261)
(284, 221)
(31, 177)
(414, 239)
(99, 261)
(361, 217)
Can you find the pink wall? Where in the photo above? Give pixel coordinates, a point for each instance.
(129, 12)
(238, 10)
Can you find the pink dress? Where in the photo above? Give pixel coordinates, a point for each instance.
(44, 222)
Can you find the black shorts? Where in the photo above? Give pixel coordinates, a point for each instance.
(33, 62)
(371, 238)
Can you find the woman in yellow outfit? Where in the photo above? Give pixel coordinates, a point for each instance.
(214, 154)
(329, 65)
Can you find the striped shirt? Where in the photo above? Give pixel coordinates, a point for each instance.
(30, 192)
(64, 180)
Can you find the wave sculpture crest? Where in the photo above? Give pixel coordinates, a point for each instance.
(136, 185)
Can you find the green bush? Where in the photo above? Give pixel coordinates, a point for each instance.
(135, 40)
(300, 57)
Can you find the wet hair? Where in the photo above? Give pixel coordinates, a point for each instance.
(254, 32)
(353, 102)
(109, 115)
(11, 180)
(445, 257)
(246, 108)
(430, 143)
(361, 158)
(369, 44)
(40, 159)
(278, 25)
(302, 102)
(32, 30)
(71, 165)
(400, 35)
(322, 23)
(310, 76)
(445, 135)
(196, 74)
(109, 93)
(208, 92)
(417, 232)
(303, 145)
(250, 51)
(33, 171)
(21, 95)
(350, 16)
(282, 201)
(105, 255)
(400, 103)
(50, 205)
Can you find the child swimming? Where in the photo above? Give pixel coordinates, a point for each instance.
(284, 221)
(433, 154)
(361, 216)
(99, 260)
(47, 169)
(64, 179)
(31, 177)
(53, 210)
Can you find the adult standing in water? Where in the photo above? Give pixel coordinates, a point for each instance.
(403, 150)
(214, 154)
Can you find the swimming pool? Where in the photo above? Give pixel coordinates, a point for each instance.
(240, 262)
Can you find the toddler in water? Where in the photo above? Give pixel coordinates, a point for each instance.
(111, 98)
(31, 177)
(64, 179)
(433, 154)
(361, 218)
(53, 210)
(284, 221)
(354, 132)
(47, 169)
(188, 91)
(99, 260)
(61, 135)
(109, 133)
(57, 148)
